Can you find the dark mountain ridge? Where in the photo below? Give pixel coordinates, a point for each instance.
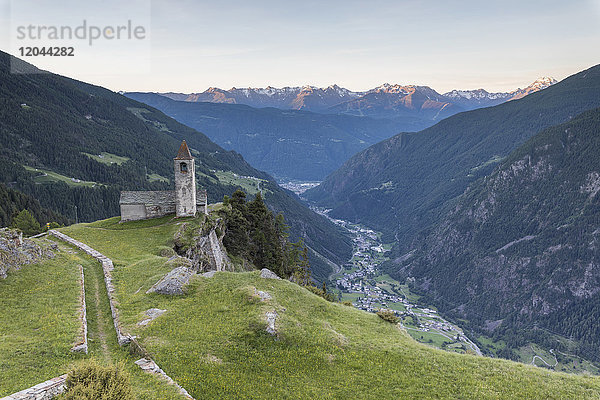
(521, 248)
(61, 126)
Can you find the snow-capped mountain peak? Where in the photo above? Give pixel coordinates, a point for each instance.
(542, 83)
(481, 96)
(476, 94)
(328, 98)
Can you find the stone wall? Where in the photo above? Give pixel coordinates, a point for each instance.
(146, 364)
(202, 201)
(137, 205)
(43, 391)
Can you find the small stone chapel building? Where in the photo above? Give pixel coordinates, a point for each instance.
(184, 201)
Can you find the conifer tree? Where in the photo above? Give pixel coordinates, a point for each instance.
(25, 222)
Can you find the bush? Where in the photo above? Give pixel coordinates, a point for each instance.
(166, 252)
(388, 315)
(92, 381)
(320, 292)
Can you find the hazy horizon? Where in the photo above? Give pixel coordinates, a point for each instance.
(191, 46)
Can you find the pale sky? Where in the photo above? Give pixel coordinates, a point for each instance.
(192, 45)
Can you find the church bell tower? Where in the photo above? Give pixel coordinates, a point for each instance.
(185, 182)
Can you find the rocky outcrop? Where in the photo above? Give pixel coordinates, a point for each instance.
(271, 318)
(151, 315)
(268, 274)
(264, 296)
(203, 246)
(16, 251)
(172, 283)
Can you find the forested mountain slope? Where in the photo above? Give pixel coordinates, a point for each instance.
(289, 144)
(404, 184)
(521, 249)
(13, 201)
(88, 143)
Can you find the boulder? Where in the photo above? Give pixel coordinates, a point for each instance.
(264, 296)
(173, 282)
(268, 274)
(152, 314)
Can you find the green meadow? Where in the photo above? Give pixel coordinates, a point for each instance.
(39, 310)
(39, 323)
(212, 340)
(47, 176)
(108, 158)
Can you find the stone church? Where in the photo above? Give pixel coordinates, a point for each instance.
(184, 201)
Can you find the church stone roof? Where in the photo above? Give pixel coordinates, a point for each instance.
(184, 152)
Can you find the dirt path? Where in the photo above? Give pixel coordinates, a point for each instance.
(542, 360)
(101, 332)
(100, 323)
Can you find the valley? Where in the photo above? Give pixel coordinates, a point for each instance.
(361, 282)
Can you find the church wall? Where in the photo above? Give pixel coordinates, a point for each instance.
(132, 212)
(146, 204)
(184, 201)
(153, 211)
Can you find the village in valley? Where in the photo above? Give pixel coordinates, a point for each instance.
(361, 282)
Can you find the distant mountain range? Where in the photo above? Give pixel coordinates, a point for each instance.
(294, 98)
(472, 99)
(387, 100)
(305, 133)
(289, 144)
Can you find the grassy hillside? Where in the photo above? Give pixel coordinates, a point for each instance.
(39, 323)
(69, 130)
(520, 249)
(212, 340)
(39, 310)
